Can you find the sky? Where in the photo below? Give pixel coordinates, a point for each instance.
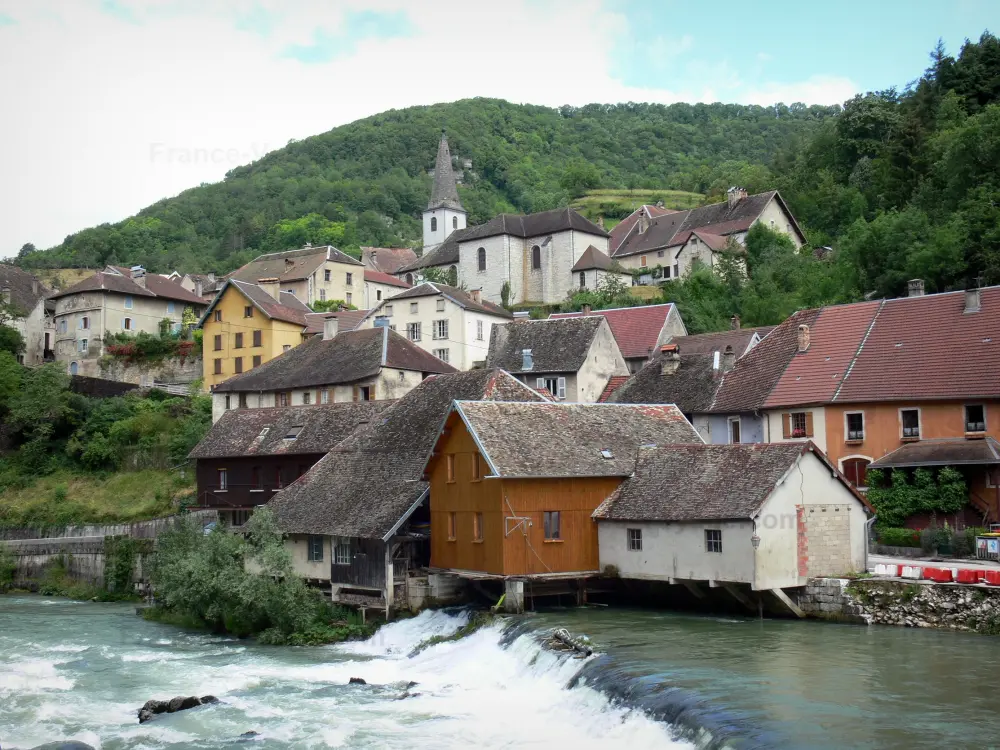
(111, 105)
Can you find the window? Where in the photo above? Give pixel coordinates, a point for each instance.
(550, 521)
(434, 224)
(324, 396)
(414, 308)
(378, 295)
(258, 338)
(243, 401)
(248, 311)
(74, 368)
(63, 327)
(127, 324)
(364, 393)
(440, 329)
(477, 467)
(659, 253)
(322, 295)
(450, 466)
(217, 367)
(284, 399)
(218, 316)
(342, 553)
(440, 305)
(454, 222)
(856, 471)
(256, 360)
(666, 272)
(349, 279)
(349, 298)
(84, 346)
(734, 430)
(536, 258)
(279, 478)
(326, 275)
(975, 418)
(477, 527)
(84, 323)
(229, 402)
(256, 479)
(223, 477)
(285, 348)
(634, 540)
(413, 331)
(855, 426)
(583, 279)
(452, 527)
(388, 310)
(642, 261)
(238, 365)
(307, 398)
(171, 307)
(713, 540)
(555, 386)
(797, 424)
(441, 354)
(238, 341)
(481, 253)
(128, 303)
(911, 423)
(293, 432)
(677, 271)
(479, 330)
(315, 549)
(218, 343)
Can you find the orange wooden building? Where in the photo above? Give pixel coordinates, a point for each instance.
(513, 485)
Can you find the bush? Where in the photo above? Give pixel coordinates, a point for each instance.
(7, 568)
(896, 537)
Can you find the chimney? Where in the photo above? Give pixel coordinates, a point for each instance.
(728, 359)
(915, 288)
(138, 274)
(527, 362)
(289, 263)
(270, 287)
(734, 195)
(586, 309)
(972, 300)
(477, 295)
(211, 277)
(803, 338)
(331, 325)
(671, 360)
(198, 287)
(659, 204)
(643, 222)
(734, 322)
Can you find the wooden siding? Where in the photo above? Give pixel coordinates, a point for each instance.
(239, 471)
(367, 568)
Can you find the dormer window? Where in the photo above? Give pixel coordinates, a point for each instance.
(293, 432)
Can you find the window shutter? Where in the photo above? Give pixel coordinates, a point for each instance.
(357, 393)
(809, 424)
(786, 426)
(561, 386)
(539, 382)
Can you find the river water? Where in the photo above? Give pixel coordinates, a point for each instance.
(72, 670)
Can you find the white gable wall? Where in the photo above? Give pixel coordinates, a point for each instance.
(603, 360)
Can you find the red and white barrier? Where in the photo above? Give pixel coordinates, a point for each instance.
(940, 575)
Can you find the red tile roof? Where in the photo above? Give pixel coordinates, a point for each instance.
(387, 259)
(636, 329)
(377, 277)
(614, 383)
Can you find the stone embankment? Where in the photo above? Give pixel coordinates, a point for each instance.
(904, 603)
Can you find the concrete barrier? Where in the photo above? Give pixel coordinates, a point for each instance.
(912, 571)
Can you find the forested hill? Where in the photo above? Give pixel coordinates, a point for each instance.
(366, 183)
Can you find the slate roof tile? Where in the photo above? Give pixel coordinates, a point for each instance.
(557, 345)
(25, 289)
(691, 387)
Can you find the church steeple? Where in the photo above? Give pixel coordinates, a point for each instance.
(444, 194)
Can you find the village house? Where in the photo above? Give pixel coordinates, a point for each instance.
(366, 502)
(111, 301)
(450, 323)
(513, 485)
(312, 274)
(24, 307)
(380, 286)
(623, 228)
(362, 365)
(247, 325)
(674, 241)
(639, 331)
(570, 358)
(204, 285)
(766, 517)
(594, 267)
(387, 259)
(250, 454)
(532, 255)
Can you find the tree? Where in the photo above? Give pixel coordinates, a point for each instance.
(330, 305)
(11, 340)
(579, 177)
(447, 276)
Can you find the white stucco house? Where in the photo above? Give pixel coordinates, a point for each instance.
(766, 516)
(26, 310)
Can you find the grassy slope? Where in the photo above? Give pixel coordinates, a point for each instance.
(116, 498)
(603, 202)
(62, 278)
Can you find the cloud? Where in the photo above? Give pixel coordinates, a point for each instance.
(6, 20)
(764, 56)
(813, 90)
(119, 10)
(357, 26)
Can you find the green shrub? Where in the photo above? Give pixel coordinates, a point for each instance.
(7, 568)
(896, 537)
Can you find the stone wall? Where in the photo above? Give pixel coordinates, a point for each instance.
(917, 604)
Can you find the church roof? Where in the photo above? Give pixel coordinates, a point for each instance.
(444, 193)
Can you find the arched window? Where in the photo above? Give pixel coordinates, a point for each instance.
(536, 258)
(583, 279)
(454, 222)
(73, 368)
(482, 259)
(434, 224)
(856, 471)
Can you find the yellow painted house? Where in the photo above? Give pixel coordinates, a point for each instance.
(247, 325)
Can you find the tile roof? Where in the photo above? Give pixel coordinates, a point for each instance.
(593, 258)
(373, 478)
(387, 259)
(556, 345)
(241, 432)
(691, 387)
(928, 347)
(444, 191)
(747, 386)
(570, 440)
(156, 286)
(290, 309)
(459, 296)
(25, 289)
(703, 482)
(377, 277)
(636, 329)
(445, 254)
(349, 320)
(614, 383)
(624, 227)
(534, 225)
(291, 265)
(714, 241)
(348, 357)
(705, 343)
(942, 452)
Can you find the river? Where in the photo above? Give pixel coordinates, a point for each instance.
(71, 670)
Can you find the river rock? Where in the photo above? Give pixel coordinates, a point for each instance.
(152, 708)
(247, 736)
(356, 681)
(208, 700)
(70, 745)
